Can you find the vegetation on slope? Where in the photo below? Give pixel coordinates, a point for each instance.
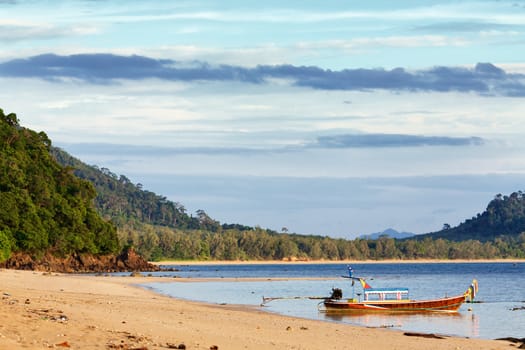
(44, 207)
(123, 201)
(505, 215)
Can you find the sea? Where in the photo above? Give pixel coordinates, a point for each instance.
(498, 310)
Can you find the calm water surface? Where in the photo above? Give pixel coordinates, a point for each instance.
(500, 313)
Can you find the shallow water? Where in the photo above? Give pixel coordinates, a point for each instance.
(502, 289)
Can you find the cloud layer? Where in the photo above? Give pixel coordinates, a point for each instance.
(322, 142)
(484, 78)
(393, 140)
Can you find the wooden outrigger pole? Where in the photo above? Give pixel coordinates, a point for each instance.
(268, 299)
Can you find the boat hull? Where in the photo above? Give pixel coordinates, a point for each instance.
(451, 304)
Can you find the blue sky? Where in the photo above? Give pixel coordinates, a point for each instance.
(333, 118)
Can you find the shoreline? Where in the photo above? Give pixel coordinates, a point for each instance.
(107, 312)
(331, 262)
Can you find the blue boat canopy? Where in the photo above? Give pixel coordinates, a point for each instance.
(386, 290)
(386, 294)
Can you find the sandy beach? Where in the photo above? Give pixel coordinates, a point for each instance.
(42, 310)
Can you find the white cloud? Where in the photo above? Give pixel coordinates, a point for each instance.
(17, 31)
(333, 12)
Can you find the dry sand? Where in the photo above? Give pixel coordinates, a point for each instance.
(41, 311)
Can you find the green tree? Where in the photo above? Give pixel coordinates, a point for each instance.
(43, 205)
(5, 245)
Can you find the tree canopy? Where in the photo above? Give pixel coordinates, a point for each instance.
(44, 207)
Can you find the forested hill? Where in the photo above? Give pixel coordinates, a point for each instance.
(121, 200)
(127, 203)
(43, 206)
(504, 216)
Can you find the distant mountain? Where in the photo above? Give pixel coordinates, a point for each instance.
(504, 216)
(390, 233)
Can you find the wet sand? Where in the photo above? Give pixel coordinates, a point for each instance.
(41, 311)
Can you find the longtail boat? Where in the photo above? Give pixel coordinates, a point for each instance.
(394, 299)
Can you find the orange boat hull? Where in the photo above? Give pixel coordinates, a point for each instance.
(451, 304)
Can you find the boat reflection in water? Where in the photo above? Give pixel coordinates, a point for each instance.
(466, 323)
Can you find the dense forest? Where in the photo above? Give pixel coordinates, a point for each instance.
(156, 243)
(52, 202)
(44, 207)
